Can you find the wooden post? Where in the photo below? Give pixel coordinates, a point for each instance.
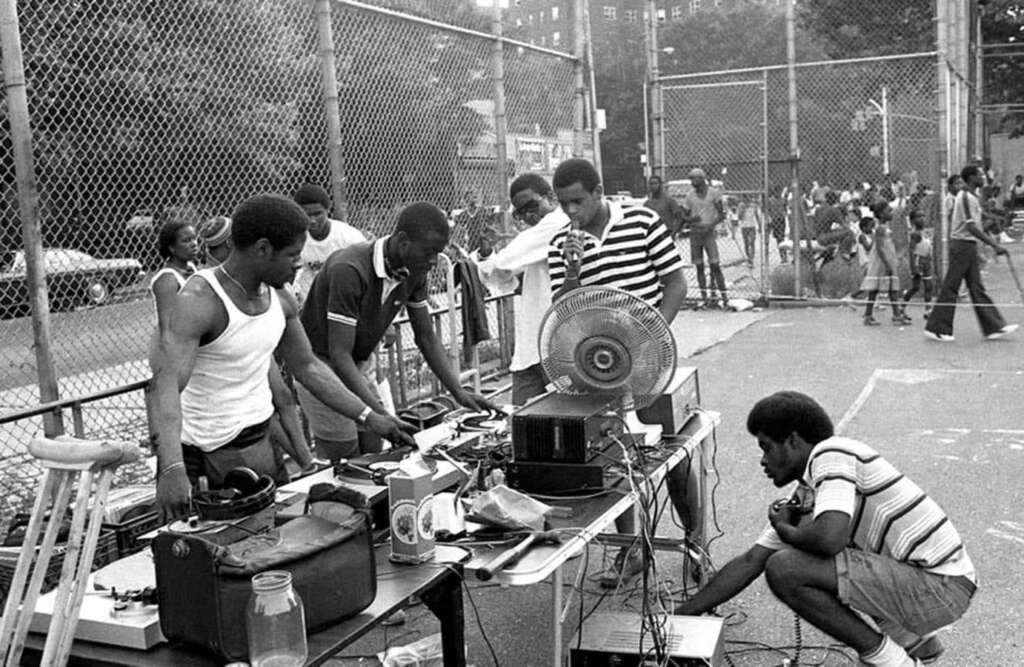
(331, 112)
(28, 209)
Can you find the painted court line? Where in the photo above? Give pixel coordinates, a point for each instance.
(906, 376)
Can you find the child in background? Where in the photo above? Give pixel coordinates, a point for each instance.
(750, 221)
(881, 272)
(920, 250)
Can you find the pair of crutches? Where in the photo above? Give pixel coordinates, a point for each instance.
(69, 464)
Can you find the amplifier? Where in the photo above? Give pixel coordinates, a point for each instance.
(561, 428)
(676, 404)
(554, 478)
(617, 640)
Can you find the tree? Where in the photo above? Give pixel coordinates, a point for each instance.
(869, 27)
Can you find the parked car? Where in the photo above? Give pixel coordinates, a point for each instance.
(73, 278)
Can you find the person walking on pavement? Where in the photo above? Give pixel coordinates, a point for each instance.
(965, 266)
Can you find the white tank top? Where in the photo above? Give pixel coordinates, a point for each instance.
(229, 390)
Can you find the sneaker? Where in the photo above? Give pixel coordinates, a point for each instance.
(628, 564)
(928, 649)
(1008, 329)
(902, 319)
(941, 338)
(870, 321)
(397, 618)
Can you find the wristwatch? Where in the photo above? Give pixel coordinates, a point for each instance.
(364, 415)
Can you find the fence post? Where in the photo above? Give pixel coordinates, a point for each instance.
(331, 112)
(657, 156)
(942, 123)
(796, 198)
(595, 131)
(500, 119)
(579, 103)
(28, 209)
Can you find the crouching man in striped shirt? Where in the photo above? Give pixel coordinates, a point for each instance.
(857, 537)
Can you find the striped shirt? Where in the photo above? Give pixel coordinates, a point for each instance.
(634, 252)
(890, 514)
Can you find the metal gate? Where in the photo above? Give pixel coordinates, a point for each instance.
(720, 127)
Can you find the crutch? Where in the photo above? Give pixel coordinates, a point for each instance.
(65, 460)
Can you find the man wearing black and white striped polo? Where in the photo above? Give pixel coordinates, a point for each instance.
(630, 249)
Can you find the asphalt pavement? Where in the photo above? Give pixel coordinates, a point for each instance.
(948, 415)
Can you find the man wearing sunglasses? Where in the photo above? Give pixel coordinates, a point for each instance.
(522, 266)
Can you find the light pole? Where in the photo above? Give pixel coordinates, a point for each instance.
(883, 112)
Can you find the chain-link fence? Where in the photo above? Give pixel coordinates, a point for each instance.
(147, 113)
(866, 121)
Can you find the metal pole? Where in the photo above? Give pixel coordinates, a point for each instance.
(763, 231)
(657, 159)
(796, 201)
(28, 209)
(942, 124)
(595, 131)
(647, 137)
(331, 112)
(980, 139)
(886, 164)
(579, 100)
(500, 120)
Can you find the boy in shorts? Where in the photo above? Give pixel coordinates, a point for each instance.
(920, 262)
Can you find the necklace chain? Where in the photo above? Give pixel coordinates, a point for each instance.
(259, 291)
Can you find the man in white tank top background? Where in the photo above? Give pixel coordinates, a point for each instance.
(209, 400)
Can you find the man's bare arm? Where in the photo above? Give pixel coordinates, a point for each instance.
(171, 361)
(673, 293)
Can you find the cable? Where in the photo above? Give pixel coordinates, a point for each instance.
(476, 614)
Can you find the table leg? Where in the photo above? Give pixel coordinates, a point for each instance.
(556, 616)
(445, 601)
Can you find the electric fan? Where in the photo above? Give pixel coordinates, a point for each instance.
(606, 353)
(608, 342)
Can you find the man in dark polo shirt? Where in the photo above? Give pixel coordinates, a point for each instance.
(351, 303)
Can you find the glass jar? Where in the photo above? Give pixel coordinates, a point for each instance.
(275, 622)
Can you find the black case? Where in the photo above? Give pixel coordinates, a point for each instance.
(203, 588)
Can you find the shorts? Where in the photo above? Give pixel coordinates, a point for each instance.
(324, 421)
(703, 241)
(923, 267)
(900, 596)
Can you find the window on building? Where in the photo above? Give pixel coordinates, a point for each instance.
(540, 17)
(609, 13)
(529, 19)
(631, 16)
(543, 40)
(677, 12)
(554, 13)
(556, 38)
(661, 16)
(519, 23)
(694, 6)
(718, 3)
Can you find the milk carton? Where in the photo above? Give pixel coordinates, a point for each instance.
(411, 501)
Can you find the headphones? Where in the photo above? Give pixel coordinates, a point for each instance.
(244, 493)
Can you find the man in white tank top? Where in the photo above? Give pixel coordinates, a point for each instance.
(209, 399)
